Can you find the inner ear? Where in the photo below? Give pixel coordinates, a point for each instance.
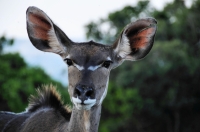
(44, 34)
(41, 26)
(136, 39)
(140, 38)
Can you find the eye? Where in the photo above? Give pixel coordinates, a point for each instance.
(106, 64)
(69, 62)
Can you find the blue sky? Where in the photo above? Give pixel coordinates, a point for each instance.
(69, 15)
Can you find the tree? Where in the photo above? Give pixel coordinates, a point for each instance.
(160, 93)
(4, 41)
(115, 22)
(18, 81)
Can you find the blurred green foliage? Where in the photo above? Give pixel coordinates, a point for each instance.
(18, 80)
(160, 93)
(4, 42)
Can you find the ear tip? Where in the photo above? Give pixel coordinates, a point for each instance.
(149, 19)
(35, 11)
(146, 22)
(153, 20)
(32, 9)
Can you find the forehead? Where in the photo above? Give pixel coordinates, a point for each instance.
(89, 52)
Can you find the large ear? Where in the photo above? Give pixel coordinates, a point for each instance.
(44, 34)
(136, 40)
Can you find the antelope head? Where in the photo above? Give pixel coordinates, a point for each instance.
(89, 63)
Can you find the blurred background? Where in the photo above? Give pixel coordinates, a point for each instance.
(160, 93)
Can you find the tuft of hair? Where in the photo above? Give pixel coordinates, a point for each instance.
(48, 97)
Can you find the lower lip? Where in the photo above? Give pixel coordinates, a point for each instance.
(84, 106)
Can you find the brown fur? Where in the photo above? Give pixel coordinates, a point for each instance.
(46, 108)
(48, 96)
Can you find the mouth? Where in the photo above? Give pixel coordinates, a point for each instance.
(83, 105)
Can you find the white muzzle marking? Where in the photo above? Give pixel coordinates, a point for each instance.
(87, 104)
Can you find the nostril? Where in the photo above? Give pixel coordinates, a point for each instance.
(89, 93)
(84, 92)
(77, 92)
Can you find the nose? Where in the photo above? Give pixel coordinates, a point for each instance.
(84, 92)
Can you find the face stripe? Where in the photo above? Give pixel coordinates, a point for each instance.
(93, 68)
(79, 67)
(108, 58)
(104, 93)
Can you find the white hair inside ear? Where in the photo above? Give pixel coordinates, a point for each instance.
(55, 45)
(123, 47)
(136, 40)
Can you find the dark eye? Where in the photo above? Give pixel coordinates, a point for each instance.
(69, 62)
(106, 64)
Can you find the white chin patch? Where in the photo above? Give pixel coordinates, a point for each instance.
(87, 104)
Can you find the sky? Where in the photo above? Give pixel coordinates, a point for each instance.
(70, 15)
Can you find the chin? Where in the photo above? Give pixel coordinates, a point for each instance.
(83, 105)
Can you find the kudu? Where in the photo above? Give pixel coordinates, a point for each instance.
(89, 66)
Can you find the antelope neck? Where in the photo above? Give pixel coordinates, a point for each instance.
(85, 120)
